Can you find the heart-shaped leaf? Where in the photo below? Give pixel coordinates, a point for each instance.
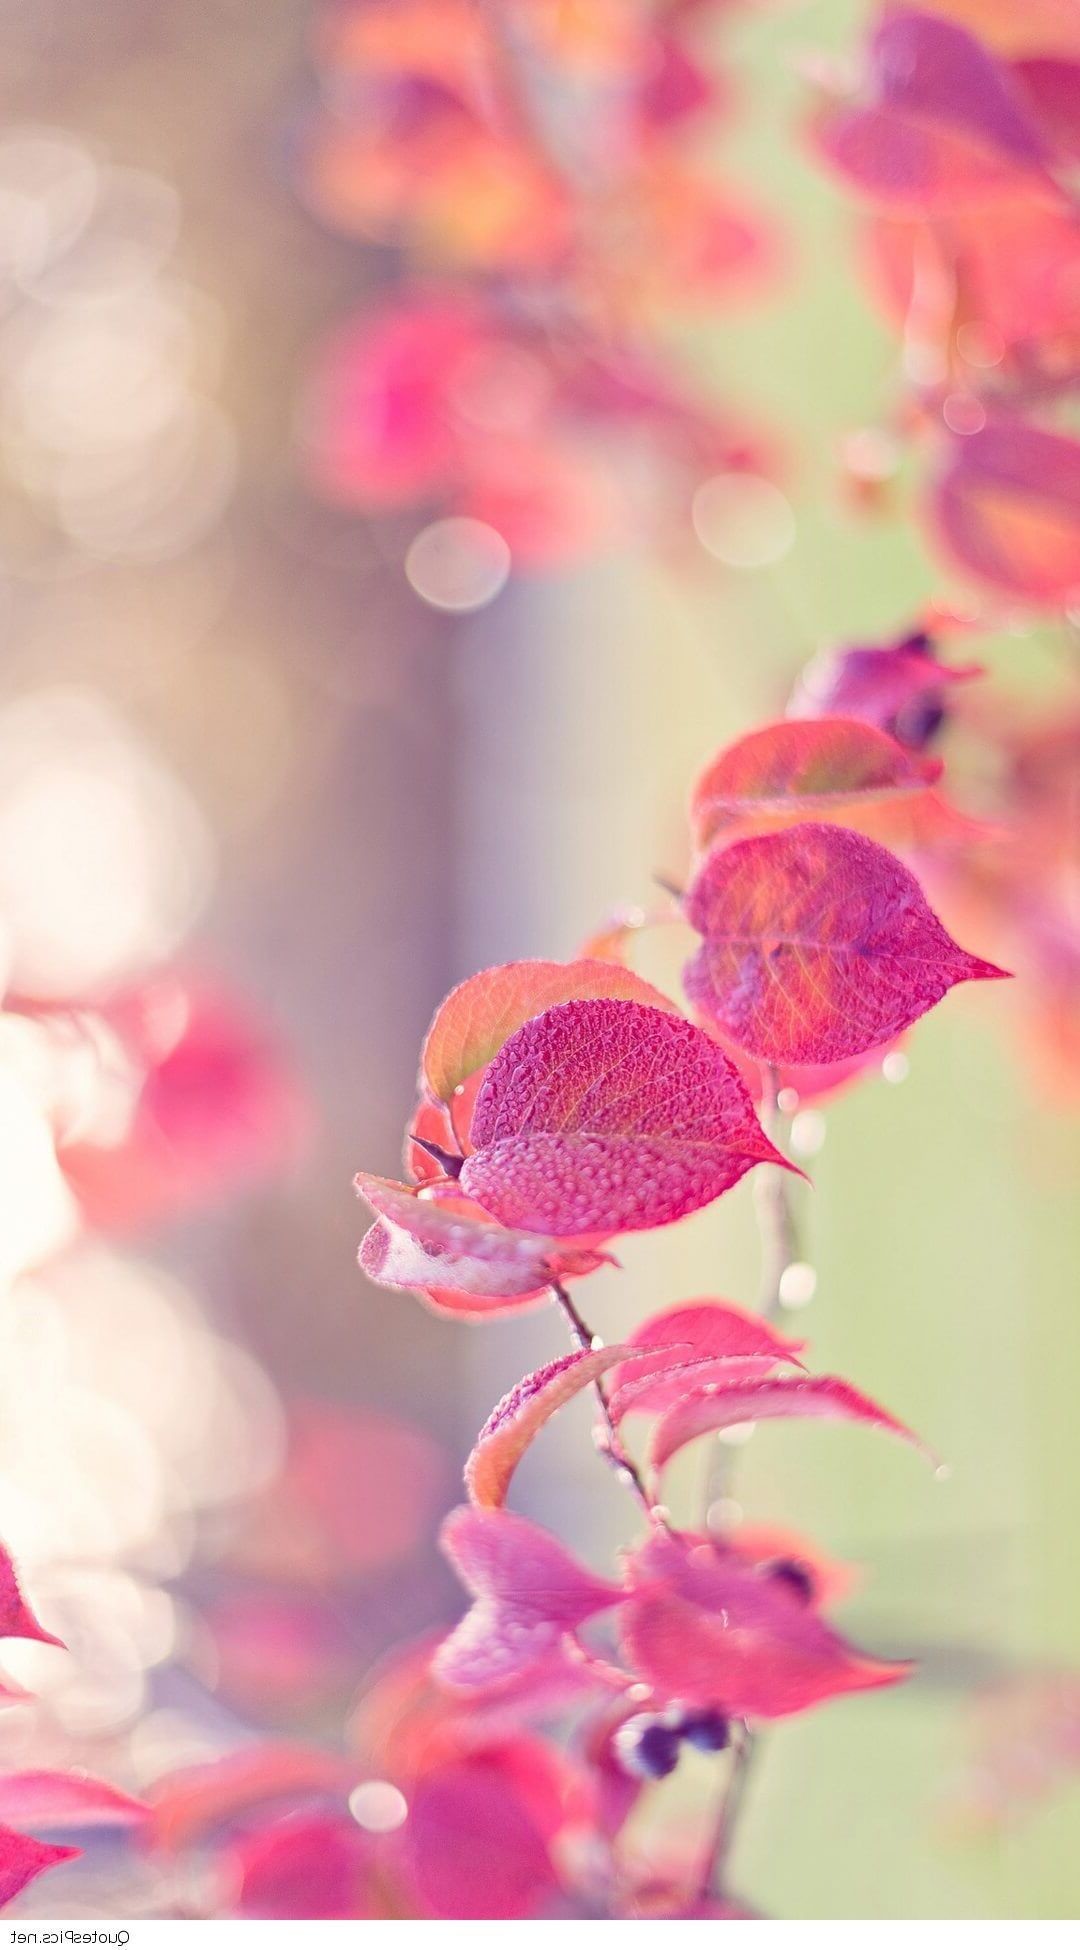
(1007, 507)
(476, 1019)
(700, 1341)
(821, 768)
(704, 1627)
(818, 944)
(941, 126)
(723, 1406)
(529, 1592)
(22, 1858)
(521, 1415)
(603, 1116)
(437, 1244)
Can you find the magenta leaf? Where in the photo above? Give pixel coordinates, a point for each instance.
(17, 1621)
(477, 1017)
(608, 1116)
(522, 1413)
(722, 1406)
(942, 124)
(22, 1858)
(311, 1866)
(697, 1342)
(901, 687)
(704, 1627)
(446, 1243)
(474, 1845)
(818, 944)
(528, 1593)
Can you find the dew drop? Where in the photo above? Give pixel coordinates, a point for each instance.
(743, 520)
(723, 1515)
(980, 345)
(895, 1067)
(458, 564)
(798, 1284)
(943, 1472)
(963, 413)
(738, 1434)
(787, 1101)
(378, 1806)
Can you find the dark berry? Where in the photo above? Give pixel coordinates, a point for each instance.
(795, 1576)
(707, 1730)
(648, 1747)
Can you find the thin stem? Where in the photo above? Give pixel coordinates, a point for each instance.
(779, 1247)
(719, 1844)
(612, 1448)
(776, 1220)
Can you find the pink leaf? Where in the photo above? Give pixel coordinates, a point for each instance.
(478, 1017)
(529, 1592)
(194, 1801)
(704, 1627)
(723, 1406)
(710, 1340)
(50, 1799)
(430, 1243)
(519, 1417)
(17, 1621)
(818, 944)
(22, 1858)
(605, 1116)
(309, 1867)
(1007, 507)
(474, 1846)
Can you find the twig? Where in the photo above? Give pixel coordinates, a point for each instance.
(776, 1220)
(714, 1861)
(612, 1448)
(779, 1247)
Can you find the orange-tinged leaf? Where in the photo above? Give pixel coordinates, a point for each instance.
(522, 1413)
(1007, 507)
(797, 769)
(477, 1017)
